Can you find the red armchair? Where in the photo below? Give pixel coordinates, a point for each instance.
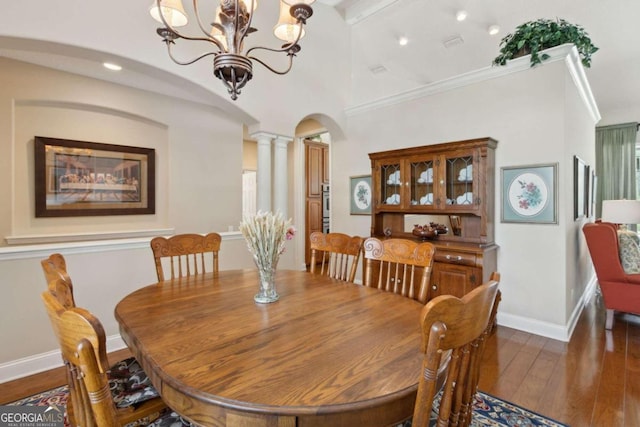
(620, 291)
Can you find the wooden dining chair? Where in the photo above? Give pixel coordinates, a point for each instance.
(128, 386)
(335, 255)
(455, 328)
(54, 268)
(185, 254)
(403, 266)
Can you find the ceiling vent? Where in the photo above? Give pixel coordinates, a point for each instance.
(453, 41)
(378, 69)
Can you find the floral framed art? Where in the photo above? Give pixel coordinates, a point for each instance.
(361, 195)
(530, 194)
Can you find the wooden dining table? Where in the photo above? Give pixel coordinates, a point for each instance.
(327, 353)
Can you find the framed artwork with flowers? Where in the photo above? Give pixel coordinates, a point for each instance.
(361, 195)
(530, 194)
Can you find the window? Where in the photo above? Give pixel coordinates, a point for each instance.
(249, 193)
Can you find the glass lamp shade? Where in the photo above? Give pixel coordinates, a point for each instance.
(287, 29)
(621, 211)
(172, 10)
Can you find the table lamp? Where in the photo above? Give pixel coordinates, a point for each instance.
(621, 212)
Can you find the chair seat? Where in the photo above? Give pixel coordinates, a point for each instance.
(129, 384)
(170, 418)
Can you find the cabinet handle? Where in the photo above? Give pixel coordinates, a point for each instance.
(434, 287)
(458, 258)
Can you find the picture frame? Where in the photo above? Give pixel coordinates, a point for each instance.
(579, 185)
(587, 191)
(361, 195)
(530, 194)
(593, 190)
(80, 178)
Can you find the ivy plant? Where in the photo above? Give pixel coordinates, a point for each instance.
(535, 36)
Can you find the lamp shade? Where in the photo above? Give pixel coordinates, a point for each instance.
(172, 10)
(621, 211)
(287, 28)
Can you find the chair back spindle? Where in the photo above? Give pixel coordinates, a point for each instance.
(335, 255)
(186, 254)
(404, 266)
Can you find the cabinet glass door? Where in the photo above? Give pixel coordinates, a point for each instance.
(390, 184)
(459, 187)
(421, 183)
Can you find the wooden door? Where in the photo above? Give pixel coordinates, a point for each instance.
(316, 166)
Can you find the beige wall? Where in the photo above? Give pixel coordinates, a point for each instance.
(538, 116)
(198, 189)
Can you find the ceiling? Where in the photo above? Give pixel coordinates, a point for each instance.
(612, 25)
(439, 47)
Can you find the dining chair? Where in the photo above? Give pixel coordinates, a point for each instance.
(335, 255)
(54, 268)
(455, 328)
(98, 395)
(185, 254)
(404, 266)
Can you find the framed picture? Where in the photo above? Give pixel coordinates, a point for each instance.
(78, 178)
(361, 194)
(530, 194)
(580, 171)
(593, 188)
(588, 182)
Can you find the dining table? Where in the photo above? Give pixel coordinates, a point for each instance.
(328, 353)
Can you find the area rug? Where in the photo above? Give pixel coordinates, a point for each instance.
(487, 410)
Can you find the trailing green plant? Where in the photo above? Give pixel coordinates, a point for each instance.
(535, 36)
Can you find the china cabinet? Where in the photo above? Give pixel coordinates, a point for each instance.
(453, 183)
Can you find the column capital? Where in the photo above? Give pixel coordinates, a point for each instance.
(263, 135)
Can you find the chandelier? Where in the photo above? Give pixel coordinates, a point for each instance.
(226, 34)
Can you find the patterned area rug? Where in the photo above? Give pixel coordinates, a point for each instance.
(487, 410)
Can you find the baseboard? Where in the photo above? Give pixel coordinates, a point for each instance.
(37, 363)
(547, 329)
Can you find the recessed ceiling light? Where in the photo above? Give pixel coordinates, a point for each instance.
(494, 29)
(402, 41)
(461, 15)
(111, 66)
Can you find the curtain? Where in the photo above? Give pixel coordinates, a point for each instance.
(615, 163)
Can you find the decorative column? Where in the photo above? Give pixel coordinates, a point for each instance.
(263, 174)
(280, 178)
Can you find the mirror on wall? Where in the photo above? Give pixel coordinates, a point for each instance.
(453, 222)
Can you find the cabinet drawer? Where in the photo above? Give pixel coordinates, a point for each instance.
(454, 257)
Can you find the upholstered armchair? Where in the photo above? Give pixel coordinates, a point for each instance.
(620, 285)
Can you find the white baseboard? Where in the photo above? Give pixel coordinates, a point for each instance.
(45, 361)
(546, 329)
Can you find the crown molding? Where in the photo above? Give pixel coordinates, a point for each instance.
(567, 53)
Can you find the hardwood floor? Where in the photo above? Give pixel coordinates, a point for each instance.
(593, 380)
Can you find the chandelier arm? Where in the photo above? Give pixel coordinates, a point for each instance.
(203, 29)
(246, 28)
(264, 64)
(169, 27)
(204, 55)
(284, 48)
